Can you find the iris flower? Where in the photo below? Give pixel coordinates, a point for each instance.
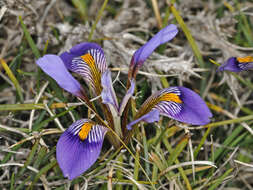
(237, 64)
(80, 145)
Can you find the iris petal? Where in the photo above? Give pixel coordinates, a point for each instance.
(193, 110)
(230, 65)
(238, 64)
(88, 60)
(245, 63)
(80, 49)
(108, 93)
(150, 117)
(160, 38)
(128, 95)
(55, 68)
(179, 103)
(79, 147)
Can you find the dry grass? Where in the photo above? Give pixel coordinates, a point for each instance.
(220, 29)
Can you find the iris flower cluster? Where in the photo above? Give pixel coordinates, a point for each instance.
(80, 145)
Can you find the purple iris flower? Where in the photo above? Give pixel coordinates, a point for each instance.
(179, 103)
(80, 145)
(237, 64)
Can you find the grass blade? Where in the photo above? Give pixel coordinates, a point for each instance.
(81, 7)
(100, 12)
(180, 169)
(42, 153)
(220, 179)
(178, 149)
(51, 119)
(29, 39)
(191, 42)
(12, 181)
(136, 166)
(188, 35)
(20, 107)
(30, 158)
(119, 173)
(202, 141)
(42, 171)
(13, 79)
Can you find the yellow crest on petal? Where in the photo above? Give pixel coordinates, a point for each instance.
(89, 60)
(246, 59)
(171, 97)
(83, 134)
(96, 75)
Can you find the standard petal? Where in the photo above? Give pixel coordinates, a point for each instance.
(79, 147)
(160, 38)
(150, 117)
(55, 68)
(108, 93)
(179, 103)
(128, 95)
(88, 60)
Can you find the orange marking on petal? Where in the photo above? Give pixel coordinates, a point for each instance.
(95, 72)
(83, 134)
(89, 60)
(246, 59)
(171, 97)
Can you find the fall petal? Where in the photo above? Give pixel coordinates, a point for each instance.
(188, 107)
(81, 49)
(79, 147)
(88, 60)
(179, 103)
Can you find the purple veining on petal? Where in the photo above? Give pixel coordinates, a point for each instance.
(246, 66)
(193, 110)
(80, 49)
(55, 68)
(74, 155)
(88, 60)
(169, 107)
(150, 117)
